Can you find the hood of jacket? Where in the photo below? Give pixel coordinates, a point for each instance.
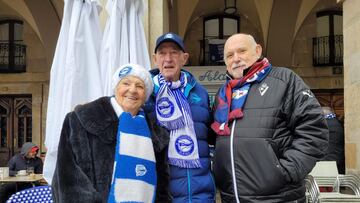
(26, 148)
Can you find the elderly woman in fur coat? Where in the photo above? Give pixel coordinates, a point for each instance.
(109, 150)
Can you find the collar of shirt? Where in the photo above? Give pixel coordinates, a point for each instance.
(117, 108)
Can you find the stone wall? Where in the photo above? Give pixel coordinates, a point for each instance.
(316, 77)
(33, 82)
(351, 27)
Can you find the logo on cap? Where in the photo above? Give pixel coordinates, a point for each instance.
(169, 35)
(184, 145)
(165, 107)
(125, 71)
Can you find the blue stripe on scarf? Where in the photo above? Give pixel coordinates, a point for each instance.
(139, 127)
(125, 169)
(191, 163)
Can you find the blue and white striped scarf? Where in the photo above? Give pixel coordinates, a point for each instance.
(134, 175)
(174, 113)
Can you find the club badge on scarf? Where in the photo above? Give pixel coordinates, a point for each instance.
(174, 113)
(232, 96)
(168, 112)
(183, 148)
(134, 175)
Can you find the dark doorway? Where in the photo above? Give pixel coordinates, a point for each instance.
(15, 124)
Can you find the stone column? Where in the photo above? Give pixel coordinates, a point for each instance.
(156, 22)
(351, 27)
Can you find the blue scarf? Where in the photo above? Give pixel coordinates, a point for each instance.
(134, 175)
(232, 96)
(174, 113)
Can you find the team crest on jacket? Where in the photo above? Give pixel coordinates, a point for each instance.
(184, 145)
(263, 88)
(165, 107)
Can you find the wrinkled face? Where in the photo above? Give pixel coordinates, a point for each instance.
(240, 52)
(169, 58)
(130, 94)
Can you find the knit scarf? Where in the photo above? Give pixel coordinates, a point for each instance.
(134, 175)
(232, 96)
(173, 112)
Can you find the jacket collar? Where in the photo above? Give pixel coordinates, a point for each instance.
(98, 118)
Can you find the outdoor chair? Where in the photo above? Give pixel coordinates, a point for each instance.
(325, 174)
(40, 194)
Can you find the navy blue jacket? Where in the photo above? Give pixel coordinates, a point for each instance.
(192, 185)
(335, 151)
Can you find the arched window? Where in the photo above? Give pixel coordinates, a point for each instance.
(328, 43)
(216, 30)
(12, 48)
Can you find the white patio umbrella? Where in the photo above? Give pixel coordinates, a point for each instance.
(75, 73)
(124, 39)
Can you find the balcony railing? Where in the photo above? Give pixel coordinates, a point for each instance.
(12, 57)
(328, 51)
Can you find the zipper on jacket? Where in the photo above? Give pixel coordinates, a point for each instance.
(189, 184)
(214, 186)
(232, 161)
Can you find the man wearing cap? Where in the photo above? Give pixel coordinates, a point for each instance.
(181, 105)
(25, 160)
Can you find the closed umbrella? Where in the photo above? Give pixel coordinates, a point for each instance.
(75, 73)
(124, 39)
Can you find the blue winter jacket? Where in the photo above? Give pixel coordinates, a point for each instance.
(192, 185)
